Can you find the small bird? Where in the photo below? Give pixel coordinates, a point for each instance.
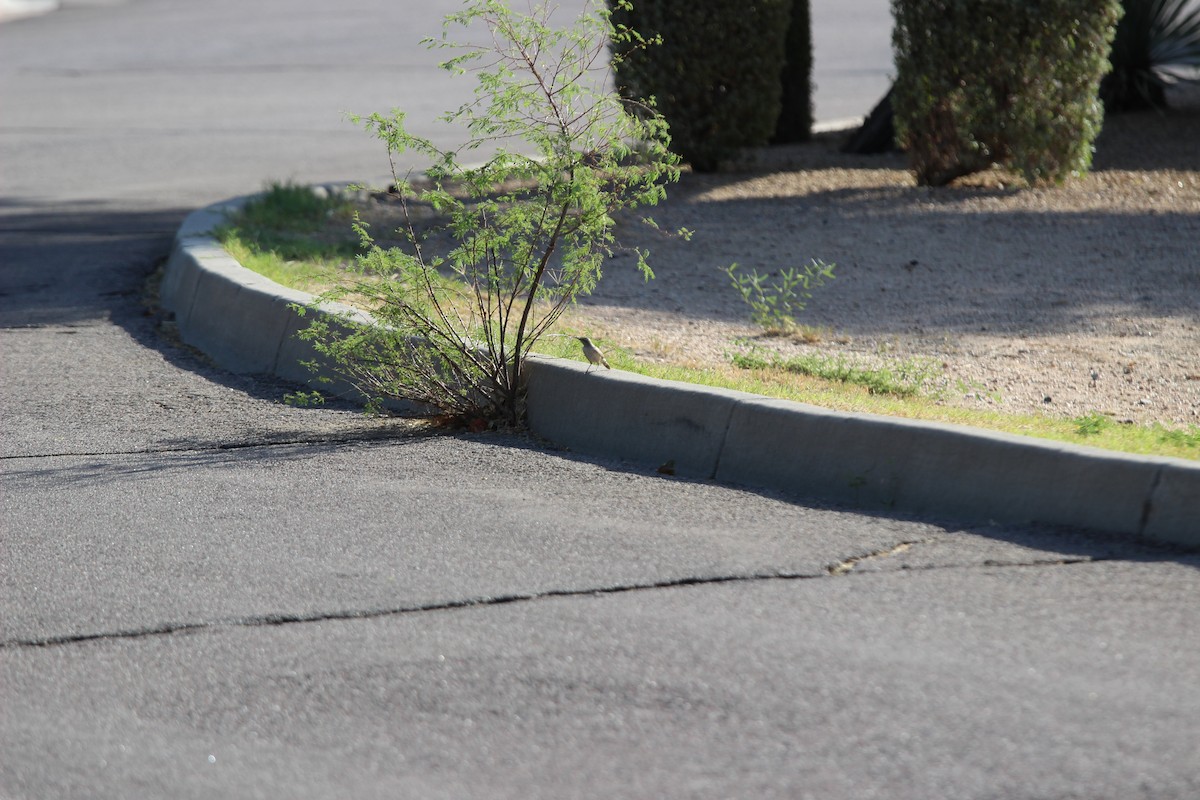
(592, 353)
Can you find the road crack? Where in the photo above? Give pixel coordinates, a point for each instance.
(278, 620)
(846, 566)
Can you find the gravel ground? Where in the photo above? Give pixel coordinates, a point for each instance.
(1061, 300)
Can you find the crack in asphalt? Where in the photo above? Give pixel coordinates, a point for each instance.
(278, 620)
(846, 566)
(273, 620)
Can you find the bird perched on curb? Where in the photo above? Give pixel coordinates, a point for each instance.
(592, 353)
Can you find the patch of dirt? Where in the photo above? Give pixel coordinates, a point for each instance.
(1061, 300)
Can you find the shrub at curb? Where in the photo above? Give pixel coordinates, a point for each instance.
(511, 243)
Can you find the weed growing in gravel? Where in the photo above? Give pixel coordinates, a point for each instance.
(773, 305)
(976, 389)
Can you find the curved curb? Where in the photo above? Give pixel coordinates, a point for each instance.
(241, 320)
(246, 324)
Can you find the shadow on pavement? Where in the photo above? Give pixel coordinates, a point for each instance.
(88, 264)
(79, 264)
(90, 271)
(184, 456)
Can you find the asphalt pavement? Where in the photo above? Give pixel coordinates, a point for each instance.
(207, 593)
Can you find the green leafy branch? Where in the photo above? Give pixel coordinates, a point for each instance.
(775, 304)
(530, 228)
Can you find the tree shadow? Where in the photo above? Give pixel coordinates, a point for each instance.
(85, 264)
(183, 457)
(1149, 140)
(69, 265)
(910, 259)
(90, 270)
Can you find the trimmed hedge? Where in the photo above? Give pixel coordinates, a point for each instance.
(1007, 82)
(716, 76)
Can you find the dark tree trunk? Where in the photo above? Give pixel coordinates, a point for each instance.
(795, 115)
(877, 134)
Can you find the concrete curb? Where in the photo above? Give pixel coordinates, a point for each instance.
(246, 324)
(241, 320)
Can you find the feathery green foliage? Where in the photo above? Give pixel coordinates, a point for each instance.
(774, 304)
(512, 242)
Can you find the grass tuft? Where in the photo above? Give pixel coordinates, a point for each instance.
(292, 236)
(903, 379)
(293, 208)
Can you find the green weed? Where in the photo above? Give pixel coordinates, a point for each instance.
(773, 305)
(1091, 424)
(291, 235)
